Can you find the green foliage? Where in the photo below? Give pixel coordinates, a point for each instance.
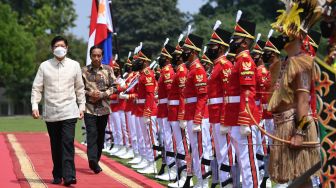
(16, 55)
(262, 12)
(44, 16)
(146, 21)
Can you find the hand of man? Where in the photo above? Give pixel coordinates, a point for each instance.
(81, 115)
(223, 130)
(36, 114)
(196, 128)
(183, 124)
(296, 141)
(245, 130)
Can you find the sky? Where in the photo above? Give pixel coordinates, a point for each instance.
(83, 10)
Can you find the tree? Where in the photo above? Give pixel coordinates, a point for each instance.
(146, 21)
(262, 12)
(16, 56)
(44, 16)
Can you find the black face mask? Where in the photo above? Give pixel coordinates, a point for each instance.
(162, 62)
(137, 65)
(185, 56)
(175, 59)
(212, 53)
(234, 46)
(127, 68)
(266, 57)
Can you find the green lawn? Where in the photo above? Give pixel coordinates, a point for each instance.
(28, 124)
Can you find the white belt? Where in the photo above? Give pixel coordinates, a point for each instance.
(232, 99)
(163, 101)
(114, 101)
(174, 102)
(190, 100)
(217, 100)
(140, 101)
(257, 102)
(265, 106)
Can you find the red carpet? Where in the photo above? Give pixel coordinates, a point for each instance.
(34, 149)
(7, 177)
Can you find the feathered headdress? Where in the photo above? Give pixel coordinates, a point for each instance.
(299, 16)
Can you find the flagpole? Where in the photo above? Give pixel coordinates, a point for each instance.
(115, 37)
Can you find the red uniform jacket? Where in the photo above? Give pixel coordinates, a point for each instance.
(146, 87)
(196, 87)
(263, 90)
(131, 101)
(242, 81)
(164, 87)
(176, 110)
(215, 90)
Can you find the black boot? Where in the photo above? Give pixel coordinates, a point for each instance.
(162, 169)
(187, 182)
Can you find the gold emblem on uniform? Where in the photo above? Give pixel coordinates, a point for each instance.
(148, 79)
(167, 76)
(227, 72)
(183, 80)
(199, 78)
(247, 65)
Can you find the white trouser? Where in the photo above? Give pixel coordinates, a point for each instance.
(166, 138)
(222, 146)
(132, 131)
(147, 136)
(269, 127)
(177, 131)
(124, 128)
(246, 154)
(260, 146)
(140, 138)
(117, 128)
(198, 153)
(108, 132)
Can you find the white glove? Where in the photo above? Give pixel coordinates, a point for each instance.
(123, 96)
(122, 84)
(146, 120)
(196, 128)
(156, 96)
(183, 124)
(223, 129)
(245, 130)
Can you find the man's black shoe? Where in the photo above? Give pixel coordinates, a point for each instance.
(69, 181)
(97, 170)
(94, 167)
(57, 181)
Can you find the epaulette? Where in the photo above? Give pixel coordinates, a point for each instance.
(198, 66)
(223, 61)
(166, 68)
(181, 69)
(263, 70)
(243, 54)
(146, 71)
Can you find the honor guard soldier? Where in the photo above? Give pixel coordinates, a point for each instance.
(176, 111)
(242, 87)
(195, 93)
(164, 88)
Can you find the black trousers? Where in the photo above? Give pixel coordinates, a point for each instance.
(62, 135)
(95, 133)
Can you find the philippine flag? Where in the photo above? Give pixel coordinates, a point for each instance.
(101, 30)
